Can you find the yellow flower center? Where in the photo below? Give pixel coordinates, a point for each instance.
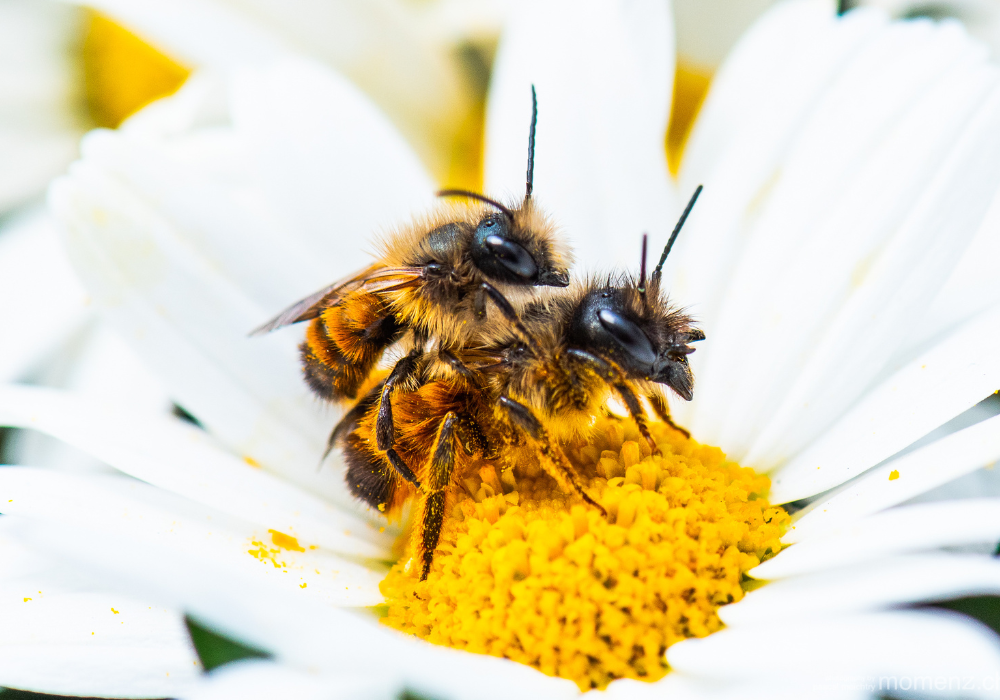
(527, 572)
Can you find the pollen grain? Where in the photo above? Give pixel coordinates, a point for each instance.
(527, 572)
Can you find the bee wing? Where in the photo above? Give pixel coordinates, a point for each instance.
(376, 277)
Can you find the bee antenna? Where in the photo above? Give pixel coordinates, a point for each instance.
(677, 229)
(642, 268)
(530, 178)
(482, 198)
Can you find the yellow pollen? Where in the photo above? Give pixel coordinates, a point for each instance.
(264, 553)
(284, 541)
(529, 573)
(114, 611)
(893, 475)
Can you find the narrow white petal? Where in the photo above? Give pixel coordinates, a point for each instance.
(335, 167)
(190, 324)
(901, 479)
(895, 581)
(176, 456)
(899, 285)
(845, 189)
(603, 74)
(265, 680)
(957, 372)
(164, 521)
(93, 644)
(909, 646)
(300, 633)
(41, 301)
(895, 531)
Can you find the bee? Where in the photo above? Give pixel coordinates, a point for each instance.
(433, 280)
(517, 397)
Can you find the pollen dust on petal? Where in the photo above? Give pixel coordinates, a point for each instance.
(526, 572)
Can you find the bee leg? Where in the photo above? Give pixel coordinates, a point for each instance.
(660, 406)
(400, 467)
(488, 291)
(614, 376)
(438, 479)
(449, 358)
(521, 416)
(404, 369)
(350, 419)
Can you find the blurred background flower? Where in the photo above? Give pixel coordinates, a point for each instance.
(66, 68)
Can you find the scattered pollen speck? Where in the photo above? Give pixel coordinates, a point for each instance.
(893, 475)
(381, 529)
(314, 546)
(27, 599)
(252, 462)
(316, 570)
(265, 553)
(114, 611)
(284, 541)
(302, 585)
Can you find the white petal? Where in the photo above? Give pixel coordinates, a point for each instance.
(300, 633)
(265, 680)
(603, 75)
(334, 166)
(915, 647)
(847, 185)
(171, 454)
(110, 504)
(899, 285)
(895, 531)
(895, 581)
(191, 324)
(41, 301)
(758, 104)
(915, 473)
(957, 372)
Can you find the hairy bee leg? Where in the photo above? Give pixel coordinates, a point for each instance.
(617, 380)
(488, 291)
(660, 406)
(449, 358)
(350, 419)
(404, 369)
(400, 467)
(522, 416)
(439, 473)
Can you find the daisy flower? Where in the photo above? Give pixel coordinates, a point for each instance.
(839, 260)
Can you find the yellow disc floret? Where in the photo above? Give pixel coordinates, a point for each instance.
(527, 572)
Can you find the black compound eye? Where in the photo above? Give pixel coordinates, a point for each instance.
(512, 256)
(628, 335)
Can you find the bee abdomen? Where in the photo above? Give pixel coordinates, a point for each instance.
(334, 380)
(369, 475)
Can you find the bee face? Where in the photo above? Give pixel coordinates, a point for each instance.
(505, 253)
(647, 345)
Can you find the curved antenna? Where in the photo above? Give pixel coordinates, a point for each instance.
(475, 195)
(530, 177)
(677, 229)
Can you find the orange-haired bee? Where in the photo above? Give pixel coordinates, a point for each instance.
(519, 396)
(434, 279)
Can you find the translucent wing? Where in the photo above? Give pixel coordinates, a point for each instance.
(374, 278)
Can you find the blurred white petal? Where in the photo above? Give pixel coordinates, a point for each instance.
(41, 301)
(892, 582)
(906, 644)
(176, 456)
(915, 473)
(40, 96)
(265, 680)
(895, 531)
(112, 504)
(603, 73)
(299, 632)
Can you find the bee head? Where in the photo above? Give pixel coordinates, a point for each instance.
(647, 341)
(506, 252)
